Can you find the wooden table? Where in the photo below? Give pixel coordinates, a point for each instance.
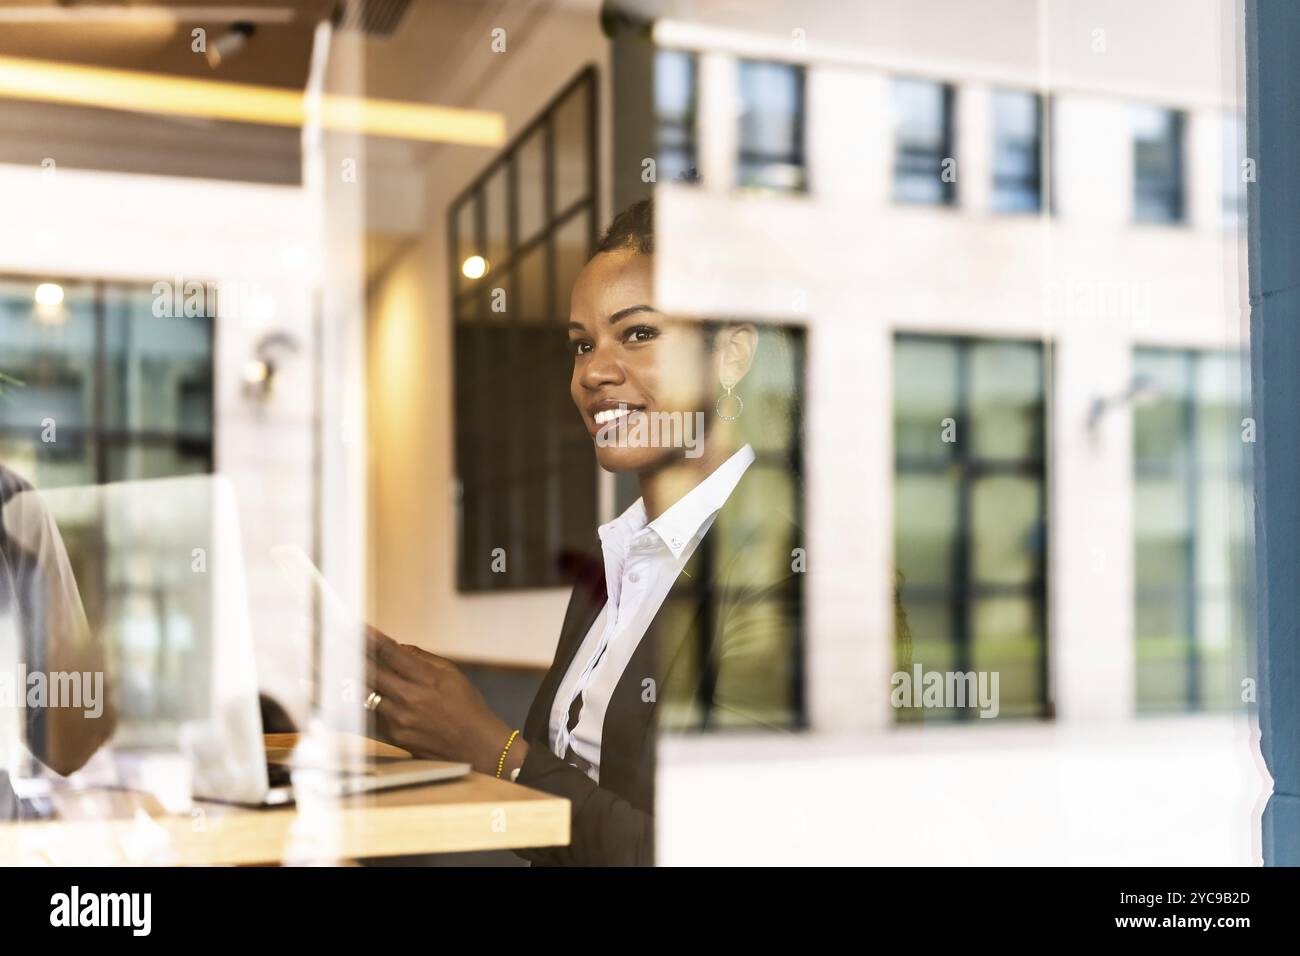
(108, 827)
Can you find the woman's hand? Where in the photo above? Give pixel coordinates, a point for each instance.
(429, 708)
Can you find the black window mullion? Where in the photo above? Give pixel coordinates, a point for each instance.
(553, 519)
(963, 558)
(100, 385)
(515, 423)
(1194, 689)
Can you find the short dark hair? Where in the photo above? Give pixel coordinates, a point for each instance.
(633, 228)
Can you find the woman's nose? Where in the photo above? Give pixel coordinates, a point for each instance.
(601, 368)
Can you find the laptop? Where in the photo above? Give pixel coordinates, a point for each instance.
(161, 571)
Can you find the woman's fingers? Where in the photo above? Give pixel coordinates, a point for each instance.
(386, 683)
(424, 655)
(381, 647)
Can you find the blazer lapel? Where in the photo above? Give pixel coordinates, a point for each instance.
(589, 597)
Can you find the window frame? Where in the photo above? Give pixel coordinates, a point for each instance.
(1190, 470)
(1173, 195)
(1038, 152)
(689, 127)
(797, 156)
(474, 296)
(105, 438)
(961, 595)
(948, 196)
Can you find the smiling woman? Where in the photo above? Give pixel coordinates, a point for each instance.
(687, 617)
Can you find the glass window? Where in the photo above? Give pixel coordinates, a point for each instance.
(761, 526)
(923, 141)
(675, 114)
(98, 388)
(970, 516)
(1017, 151)
(571, 129)
(771, 126)
(157, 371)
(526, 480)
(530, 185)
(1190, 519)
(1157, 165)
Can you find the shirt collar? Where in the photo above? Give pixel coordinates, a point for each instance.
(682, 522)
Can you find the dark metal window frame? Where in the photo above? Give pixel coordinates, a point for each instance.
(104, 437)
(554, 221)
(919, 164)
(797, 155)
(791, 461)
(687, 127)
(1034, 183)
(963, 594)
(1171, 195)
(1190, 470)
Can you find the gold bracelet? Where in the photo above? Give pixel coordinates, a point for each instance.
(501, 764)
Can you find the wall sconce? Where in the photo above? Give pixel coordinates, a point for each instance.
(270, 354)
(1139, 392)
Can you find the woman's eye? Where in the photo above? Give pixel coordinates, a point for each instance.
(580, 348)
(641, 333)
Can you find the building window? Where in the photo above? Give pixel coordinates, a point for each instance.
(771, 126)
(1191, 495)
(1017, 151)
(519, 236)
(970, 515)
(765, 512)
(676, 86)
(1158, 165)
(97, 388)
(924, 163)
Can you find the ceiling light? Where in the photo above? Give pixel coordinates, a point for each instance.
(144, 13)
(49, 294)
(46, 81)
(230, 43)
(475, 267)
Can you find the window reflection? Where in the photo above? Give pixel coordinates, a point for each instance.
(771, 126)
(970, 514)
(923, 140)
(1191, 477)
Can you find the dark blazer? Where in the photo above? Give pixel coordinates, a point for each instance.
(723, 651)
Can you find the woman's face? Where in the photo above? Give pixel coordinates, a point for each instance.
(632, 362)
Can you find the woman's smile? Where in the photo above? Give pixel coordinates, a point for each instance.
(604, 412)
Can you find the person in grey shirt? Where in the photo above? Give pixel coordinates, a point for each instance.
(43, 634)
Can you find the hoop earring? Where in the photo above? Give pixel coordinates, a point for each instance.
(730, 393)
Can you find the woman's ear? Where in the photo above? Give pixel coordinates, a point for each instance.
(735, 350)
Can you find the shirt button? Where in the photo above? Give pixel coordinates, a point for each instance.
(676, 543)
(634, 577)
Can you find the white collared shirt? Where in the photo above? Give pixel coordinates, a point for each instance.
(642, 560)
